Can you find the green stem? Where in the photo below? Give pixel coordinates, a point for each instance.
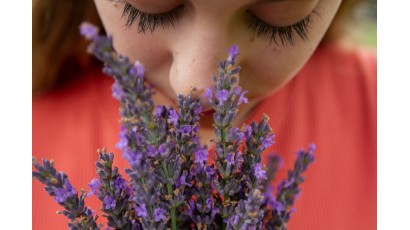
(224, 180)
(169, 188)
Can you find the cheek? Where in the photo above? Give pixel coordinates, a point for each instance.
(268, 69)
(146, 48)
(142, 47)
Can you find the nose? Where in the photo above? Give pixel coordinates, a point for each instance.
(196, 54)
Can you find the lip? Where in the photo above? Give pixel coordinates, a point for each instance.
(208, 112)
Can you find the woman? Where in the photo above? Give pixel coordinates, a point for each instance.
(313, 89)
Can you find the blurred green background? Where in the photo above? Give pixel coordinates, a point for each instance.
(365, 23)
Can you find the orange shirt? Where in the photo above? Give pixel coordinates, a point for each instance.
(331, 102)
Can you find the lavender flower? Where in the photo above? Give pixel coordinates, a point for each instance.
(182, 180)
(233, 53)
(109, 202)
(58, 185)
(159, 214)
(259, 172)
(141, 211)
(222, 95)
(171, 184)
(62, 194)
(88, 30)
(201, 156)
(173, 117)
(185, 129)
(95, 186)
(114, 192)
(288, 190)
(208, 94)
(267, 141)
(117, 91)
(139, 68)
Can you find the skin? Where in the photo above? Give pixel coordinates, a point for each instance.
(185, 55)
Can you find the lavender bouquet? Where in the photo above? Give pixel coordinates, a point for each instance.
(170, 183)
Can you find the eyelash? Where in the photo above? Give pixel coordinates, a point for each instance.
(285, 33)
(149, 21)
(262, 29)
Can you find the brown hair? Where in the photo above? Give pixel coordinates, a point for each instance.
(59, 51)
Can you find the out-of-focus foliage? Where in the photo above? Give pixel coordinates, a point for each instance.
(366, 27)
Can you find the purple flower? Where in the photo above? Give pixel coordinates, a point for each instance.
(182, 180)
(141, 211)
(234, 220)
(312, 147)
(238, 158)
(88, 30)
(209, 202)
(143, 151)
(139, 139)
(277, 206)
(259, 172)
(62, 194)
(268, 141)
(123, 143)
(190, 208)
(198, 109)
(201, 155)
(193, 171)
(208, 94)
(209, 171)
(222, 95)
(230, 159)
(159, 214)
(286, 183)
(214, 211)
(249, 227)
(195, 128)
(151, 151)
(70, 190)
(132, 157)
(173, 117)
(271, 200)
(140, 68)
(233, 53)
(117, 91)
(184, 129)
(95, 186)
(248, 131)
(236, 90)
(310, 157)
(162, 149)
(236, 134)
(242, 98)
(158, 111)
(120, 183)
(109, 202)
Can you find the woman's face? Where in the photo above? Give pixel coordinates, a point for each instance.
(180, 42)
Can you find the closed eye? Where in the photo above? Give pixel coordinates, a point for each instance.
(149, 21)
(285, 34)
